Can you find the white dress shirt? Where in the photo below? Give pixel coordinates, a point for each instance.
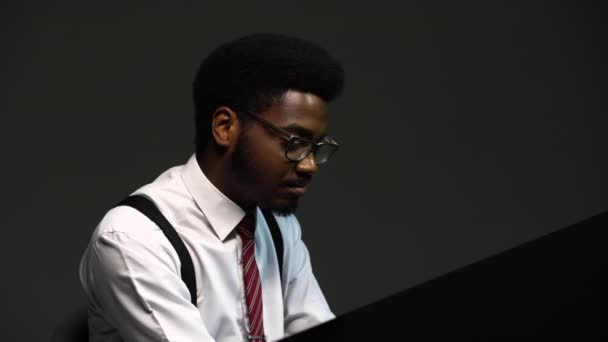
(131, 273)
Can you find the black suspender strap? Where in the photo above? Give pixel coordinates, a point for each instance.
(148, 208)
(277, 238)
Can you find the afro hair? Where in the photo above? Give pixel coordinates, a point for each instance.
(252, 72)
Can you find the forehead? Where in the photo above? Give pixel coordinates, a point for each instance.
(299, 110)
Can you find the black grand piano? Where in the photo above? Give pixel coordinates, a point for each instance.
(551, 288)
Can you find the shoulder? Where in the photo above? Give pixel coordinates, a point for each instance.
(124, 240)
(127, 221)
(166, 191)
(125, 234)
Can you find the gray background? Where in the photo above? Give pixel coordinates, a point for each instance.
(468, 128)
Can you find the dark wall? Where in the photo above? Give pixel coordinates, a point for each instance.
(467, 128)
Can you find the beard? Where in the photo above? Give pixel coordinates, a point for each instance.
(286, 209)
(250, 176)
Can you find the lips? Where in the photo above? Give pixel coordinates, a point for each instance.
(296, 183)
(297, 191)
(296, 187)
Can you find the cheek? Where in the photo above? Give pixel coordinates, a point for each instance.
(275, 169)
(273, 162)
(266, 170)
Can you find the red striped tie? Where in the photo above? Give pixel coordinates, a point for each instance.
(253, 286)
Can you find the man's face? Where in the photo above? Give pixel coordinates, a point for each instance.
(266, 175)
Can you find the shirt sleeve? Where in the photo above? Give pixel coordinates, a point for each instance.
(136, 283)
(304, 303)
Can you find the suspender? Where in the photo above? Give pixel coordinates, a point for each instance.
(149, 209)
(277, 238)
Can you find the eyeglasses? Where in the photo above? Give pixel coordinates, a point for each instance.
(299, 148)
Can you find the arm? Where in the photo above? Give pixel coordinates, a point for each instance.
(305, 305)
(135, 281)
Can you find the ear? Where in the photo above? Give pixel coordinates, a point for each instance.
(225, 126)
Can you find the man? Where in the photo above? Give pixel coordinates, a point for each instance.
(261, 119)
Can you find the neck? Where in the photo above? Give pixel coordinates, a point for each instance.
(216, 168)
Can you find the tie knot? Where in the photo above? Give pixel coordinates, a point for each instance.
(246, 228)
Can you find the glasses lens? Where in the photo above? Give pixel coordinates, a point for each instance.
(324, 152)
(298, 149)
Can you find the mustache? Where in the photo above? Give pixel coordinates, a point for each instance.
(297, 183)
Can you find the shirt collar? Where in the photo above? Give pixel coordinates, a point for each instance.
(221, 212)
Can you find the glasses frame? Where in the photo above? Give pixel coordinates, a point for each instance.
(290, 138)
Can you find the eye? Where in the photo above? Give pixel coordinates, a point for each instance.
(298, 145)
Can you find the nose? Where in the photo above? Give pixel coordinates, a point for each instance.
(307, 165)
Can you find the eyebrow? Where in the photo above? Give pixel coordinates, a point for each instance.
(302, 132)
